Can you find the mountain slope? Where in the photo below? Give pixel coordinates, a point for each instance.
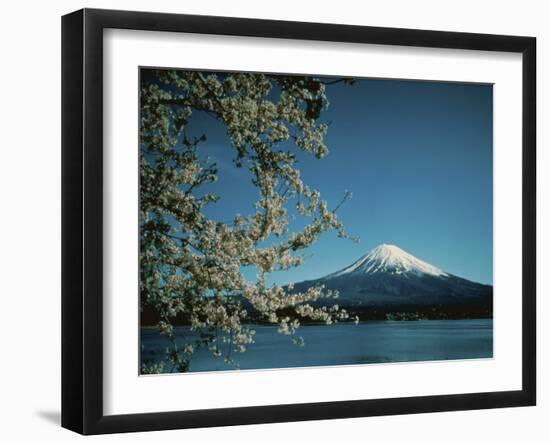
(390, 279)
(389, 259)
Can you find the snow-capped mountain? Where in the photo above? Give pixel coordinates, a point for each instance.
(390, 279)
(389, 259)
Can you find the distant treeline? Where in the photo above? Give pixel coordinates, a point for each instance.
(434, 312)
(149, 317)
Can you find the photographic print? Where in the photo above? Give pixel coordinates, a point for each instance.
(292, 221)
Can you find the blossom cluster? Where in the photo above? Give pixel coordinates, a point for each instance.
(192, 265)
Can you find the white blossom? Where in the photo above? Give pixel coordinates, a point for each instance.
(191, 265)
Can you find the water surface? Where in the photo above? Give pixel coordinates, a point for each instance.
(343, 344)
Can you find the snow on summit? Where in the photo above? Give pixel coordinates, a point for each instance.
(389, 259)
(393, 280)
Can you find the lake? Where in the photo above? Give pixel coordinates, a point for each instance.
(344, 344)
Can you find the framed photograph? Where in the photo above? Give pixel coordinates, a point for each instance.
(269, 221)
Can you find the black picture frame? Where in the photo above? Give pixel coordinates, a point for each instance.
(82, 218)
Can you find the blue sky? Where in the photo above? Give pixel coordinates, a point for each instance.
(417, 157)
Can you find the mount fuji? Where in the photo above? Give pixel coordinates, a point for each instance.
(389, 279)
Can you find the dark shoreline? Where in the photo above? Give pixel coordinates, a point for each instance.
(154, 327)
(459, 311)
